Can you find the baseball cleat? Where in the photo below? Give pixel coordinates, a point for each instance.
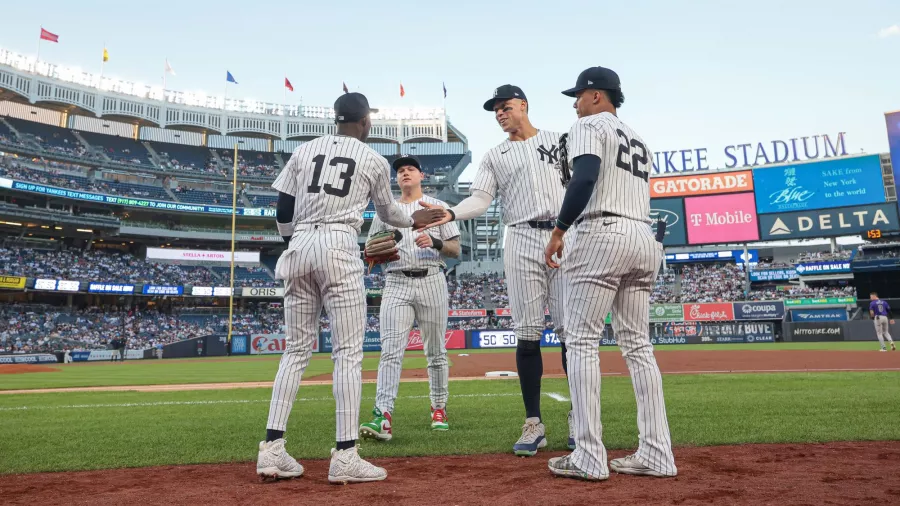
(532, 438)
(439, 419)
(348, 467)
(893, 348)
(571, 420)
(631, 465)
(379, 428)
(563, 466)
(273, 461)
(883, 349)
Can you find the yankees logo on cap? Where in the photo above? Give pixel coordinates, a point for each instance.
(505, 92)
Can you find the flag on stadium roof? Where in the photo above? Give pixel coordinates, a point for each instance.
(345, 87)
(45, 35)
(105, 55)
(287, 84)
(445, 89)
(402, 91)
(229, 78)
(169, 68)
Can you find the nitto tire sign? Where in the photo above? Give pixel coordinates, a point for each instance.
(816, 332)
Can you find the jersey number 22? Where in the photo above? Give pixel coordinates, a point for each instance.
(638, 158)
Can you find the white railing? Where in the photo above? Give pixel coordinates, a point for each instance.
(195, 99)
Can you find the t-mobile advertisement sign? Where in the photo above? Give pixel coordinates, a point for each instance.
(721, 219)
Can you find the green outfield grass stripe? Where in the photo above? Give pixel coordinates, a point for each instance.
(239, 401)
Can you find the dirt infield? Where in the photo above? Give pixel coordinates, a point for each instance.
(682, 362)
(25, 368)
(748, 474)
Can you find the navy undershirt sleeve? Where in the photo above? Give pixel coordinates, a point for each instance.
(284, 210)
(585, 172)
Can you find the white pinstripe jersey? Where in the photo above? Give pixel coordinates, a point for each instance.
(622, 187)
(412, 256)
(523, 176)
(332, 178)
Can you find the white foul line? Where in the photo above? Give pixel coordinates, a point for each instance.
(556, 396)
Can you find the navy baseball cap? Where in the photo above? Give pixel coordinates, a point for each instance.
(351, 107)
(595, 78)
(505, 92)
(407, 160)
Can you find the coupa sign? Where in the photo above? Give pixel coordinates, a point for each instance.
(767, 310)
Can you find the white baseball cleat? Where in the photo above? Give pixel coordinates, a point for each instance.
(631, 465)
(883, 349)
(273, 461)
(348, 467)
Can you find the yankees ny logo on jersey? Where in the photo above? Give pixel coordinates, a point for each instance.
(551, 153)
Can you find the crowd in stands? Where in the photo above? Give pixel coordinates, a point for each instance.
(824, 256)
(101, 265)
(498, 289)
(719, 282)
(467, 290)
(788, 292)
(663, 290)
(252, 163)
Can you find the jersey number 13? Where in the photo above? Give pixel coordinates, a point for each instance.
(346, 176)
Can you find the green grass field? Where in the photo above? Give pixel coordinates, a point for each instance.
(67, 431)
(97, 430)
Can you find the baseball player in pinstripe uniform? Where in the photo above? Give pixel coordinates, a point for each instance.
(415, 289)
(521, 173)
(322, 192)
(612, 266)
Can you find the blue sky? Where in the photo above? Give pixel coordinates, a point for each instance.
(695, 74)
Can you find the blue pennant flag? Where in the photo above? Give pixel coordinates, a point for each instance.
(229, 78)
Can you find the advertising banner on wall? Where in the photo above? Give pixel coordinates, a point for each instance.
(202, 256)
(843, 221)
(493, 339)
(270, 344)
(466, 313)
(709, 183)
(371, 342)
(162, 290)
(666, 312)
(773, 275)
(721, 219)
(453, 340)
(718, 311)
(12, 282)
(712, 333)
(764, 310)
(671, 211)
(825, 301)
(823, 268)
(819, 315)
(274, 292)
(816, 332)
(852, 181)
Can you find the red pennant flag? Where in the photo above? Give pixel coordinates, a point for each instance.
(52, 37)
(287, 84)
(345, 87)
(402, 91)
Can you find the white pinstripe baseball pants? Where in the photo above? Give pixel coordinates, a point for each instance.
(404, 301)
(613, 265)
(532, 285)
(322, 267)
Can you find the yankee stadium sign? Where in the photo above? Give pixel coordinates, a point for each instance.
(752, 154)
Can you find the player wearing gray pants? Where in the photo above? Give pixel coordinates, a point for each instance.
(880, 312)
(415, 290)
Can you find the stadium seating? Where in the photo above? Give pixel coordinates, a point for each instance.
(258, 200)
(46, 135)
(14, 170)
(712, 283)
(132, 190)
(120, 149)
(251, 163)
(203, 197)
(467, 291)
(248, 276)
(182, 157)
(434, 164)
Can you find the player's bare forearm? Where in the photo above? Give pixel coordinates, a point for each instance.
(451, 248)
(393, 216)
